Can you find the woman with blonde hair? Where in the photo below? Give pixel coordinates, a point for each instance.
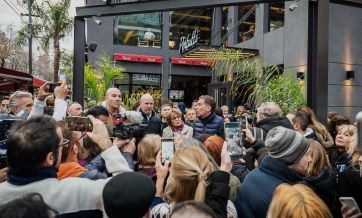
(147, 151)
(297, 201)
(190, 171)
(347, 149)
(176, 127)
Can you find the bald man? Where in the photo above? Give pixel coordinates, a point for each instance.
(75, 109)
(113, 103)
(149, 116)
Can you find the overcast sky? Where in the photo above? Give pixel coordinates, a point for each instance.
(9, 16)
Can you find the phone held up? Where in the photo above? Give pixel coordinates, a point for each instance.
(167, 149)
(233, 136)
(52, 86)
(82, 124)
(349, 202)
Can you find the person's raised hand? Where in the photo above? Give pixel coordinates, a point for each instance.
(130, 147)
(348, 212)
(226, 163)
(61, 91)
(249, 136)
(161, 172)
(43, 92)
(100, 133)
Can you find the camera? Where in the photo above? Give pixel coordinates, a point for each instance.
(293, 6)
(129, 131)
(5, 126)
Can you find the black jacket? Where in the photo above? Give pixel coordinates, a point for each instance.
(217, 192)
(154, 123)
(271, 122)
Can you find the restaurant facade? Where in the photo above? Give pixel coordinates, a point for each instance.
(147, 45)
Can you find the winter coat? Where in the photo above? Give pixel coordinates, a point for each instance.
(154, 123)
(210, 125)
(186, 131)
(271, 122)
(256, 191)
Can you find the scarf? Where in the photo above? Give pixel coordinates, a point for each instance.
(71, 169)
(178, 128)
(34, 176)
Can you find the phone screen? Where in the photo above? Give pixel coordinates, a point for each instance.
(83, 124)
(167, 150)
(350, 202)
(233, 136)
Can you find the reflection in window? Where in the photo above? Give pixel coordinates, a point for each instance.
(186, 21)
(247, 28)
(139, 30)
(224, 21)
(136, 82)
(276, 15)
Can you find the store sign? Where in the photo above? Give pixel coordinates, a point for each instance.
(189, 41)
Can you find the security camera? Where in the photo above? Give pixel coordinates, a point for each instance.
(293, 6)
(98, 22)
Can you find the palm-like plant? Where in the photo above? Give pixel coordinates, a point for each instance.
(97, 82)
(51, 24)
(254, 82)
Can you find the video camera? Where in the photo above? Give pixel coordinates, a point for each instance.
(129, 125)
(5, 126)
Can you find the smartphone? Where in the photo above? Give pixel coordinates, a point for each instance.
(82, 124)
(233, 136)
(350, 202)
(52, 86)
(167, 150)
(359, 126)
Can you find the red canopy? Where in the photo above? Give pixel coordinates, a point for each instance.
(183, 61)
(125, 57)
(202, 62)
(38, 82)
(150, 59)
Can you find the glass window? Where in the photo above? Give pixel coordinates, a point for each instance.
(184, 22)
(246, 28)
(276, 15)
(142, 30)
(224, 21)
(133, 82)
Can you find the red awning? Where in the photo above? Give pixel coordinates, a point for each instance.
(181, 61)
(202, 62)
(38, 82)
(150, 59)
(13, 74)
(125, 57)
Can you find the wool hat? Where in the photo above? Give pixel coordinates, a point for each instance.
(286, 145)
(128, 195)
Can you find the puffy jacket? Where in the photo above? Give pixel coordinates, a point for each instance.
(256, 191)
(210, 125)
(154, 123)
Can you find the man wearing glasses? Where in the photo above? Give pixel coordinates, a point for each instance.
(34, 150)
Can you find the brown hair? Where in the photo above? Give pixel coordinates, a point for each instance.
(188, 174)
(301, 118)
(209, 101)
(174, 112)
(67, 134)
(297, 201)
(319, 161)
(148, 149)
(314, 123)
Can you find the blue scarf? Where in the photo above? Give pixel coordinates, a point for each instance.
(34, 176)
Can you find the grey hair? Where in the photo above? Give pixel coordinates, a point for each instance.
(16, 96)
(269, 109)
(224, 107)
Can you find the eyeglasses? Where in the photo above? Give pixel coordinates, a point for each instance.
(65, 143)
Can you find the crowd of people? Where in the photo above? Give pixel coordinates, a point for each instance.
(292, 164)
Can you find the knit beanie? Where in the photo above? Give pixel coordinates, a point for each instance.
(286, 145)
(128, 195)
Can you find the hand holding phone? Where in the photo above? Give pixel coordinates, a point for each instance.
(82, 124)
(167, 150)
(350, 203)
(233, 136)
(52, 86)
